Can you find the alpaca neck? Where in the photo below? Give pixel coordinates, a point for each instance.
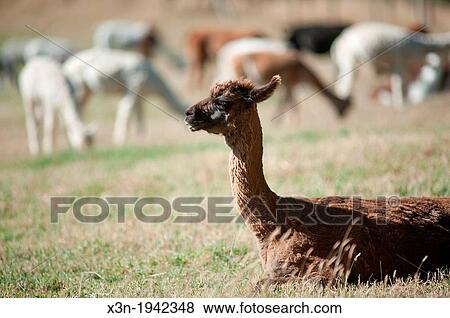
(315, 81)
(171, 56)
(254, 198)
(336, 101)
(155, 82)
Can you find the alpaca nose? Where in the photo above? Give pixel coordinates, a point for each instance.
(190, 111)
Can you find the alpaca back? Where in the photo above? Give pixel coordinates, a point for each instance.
(100, 69)
(399, 234)
(363, 41)
(109, 71)
(120, 34)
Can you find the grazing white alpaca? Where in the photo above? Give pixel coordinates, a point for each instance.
(396, 47)
(227, 55)
(133, 35)
(122, 34)
(45, 92)
(107, 70)
(59, 49)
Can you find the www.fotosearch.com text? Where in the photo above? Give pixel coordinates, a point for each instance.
(93, 209)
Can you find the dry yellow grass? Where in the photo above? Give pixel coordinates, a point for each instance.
(376, 151)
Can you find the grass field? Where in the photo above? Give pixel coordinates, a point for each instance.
(374, 152)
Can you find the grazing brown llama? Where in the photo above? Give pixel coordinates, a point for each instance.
(260, 67)
(329, 237)
(203, 45)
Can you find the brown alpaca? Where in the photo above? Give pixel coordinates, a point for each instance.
(203, 45)
(325, 237)
(260, 67)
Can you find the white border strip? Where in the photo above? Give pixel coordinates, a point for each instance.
(244, 307)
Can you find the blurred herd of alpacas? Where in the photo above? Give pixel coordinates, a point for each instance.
(55, 80)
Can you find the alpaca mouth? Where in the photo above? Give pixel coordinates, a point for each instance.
(193, 128)
(193, 125)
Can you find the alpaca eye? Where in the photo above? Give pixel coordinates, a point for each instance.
(223, 104)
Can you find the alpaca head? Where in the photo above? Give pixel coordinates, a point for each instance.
(229, 105)
(343, 106)
(149, 43)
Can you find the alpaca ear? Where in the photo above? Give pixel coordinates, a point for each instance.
(262, 93)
